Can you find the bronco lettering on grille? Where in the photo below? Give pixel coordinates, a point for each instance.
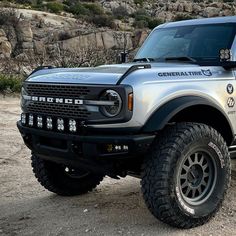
(55, 100)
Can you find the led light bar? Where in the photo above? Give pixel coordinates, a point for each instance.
(72, 126)
(40, 121)
(60, 124)
(49, 123)
(31, 120)
(23, 118)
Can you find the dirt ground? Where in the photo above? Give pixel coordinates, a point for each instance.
(114, 208)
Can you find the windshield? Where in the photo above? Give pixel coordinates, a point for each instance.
(200, 42)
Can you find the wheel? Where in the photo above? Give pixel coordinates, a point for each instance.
(63, 180)
(186, 175)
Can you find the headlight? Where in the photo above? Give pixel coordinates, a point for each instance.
(114, 109)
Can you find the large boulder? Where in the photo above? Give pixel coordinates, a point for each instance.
(99, 40)
(39, 48)
(5, 45)
(24, 32)
(211, 11)
(188, 7)
(3, 36)
(196, 8)
(5, 49)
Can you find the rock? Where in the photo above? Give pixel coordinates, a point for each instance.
(226, 12)
(226, 6)
(5, 49)
(211, 12)
(129, 9)
(39, 47)
(11, 34)
(27, 45)
(24, 32)
(2, 39)
(114, 5)
(99, 40)
(196, 8)
(216, 4)
(2, 33)
(108, 40)
(53, 50)
(188, 7)
(180, 8)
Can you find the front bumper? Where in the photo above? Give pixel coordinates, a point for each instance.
(86, 150)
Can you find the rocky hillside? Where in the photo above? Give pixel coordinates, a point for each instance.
(74, 33)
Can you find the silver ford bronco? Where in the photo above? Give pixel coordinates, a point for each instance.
(169, 118)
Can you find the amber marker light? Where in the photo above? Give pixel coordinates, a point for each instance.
(130, 102)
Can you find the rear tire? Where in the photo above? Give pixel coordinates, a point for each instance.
(187, 174)
(63, 180)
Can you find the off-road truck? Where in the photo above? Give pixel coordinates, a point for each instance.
(169, 117)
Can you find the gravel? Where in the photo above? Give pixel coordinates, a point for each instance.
(116, 207)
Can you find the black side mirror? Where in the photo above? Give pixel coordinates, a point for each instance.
(227, 65)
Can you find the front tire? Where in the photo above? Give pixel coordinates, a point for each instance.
(187, 174)
(63, 180)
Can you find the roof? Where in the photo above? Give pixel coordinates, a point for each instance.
(202, 21)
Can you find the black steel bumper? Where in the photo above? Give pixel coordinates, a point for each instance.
(84, 150)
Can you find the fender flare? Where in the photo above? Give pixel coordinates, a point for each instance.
(160, 117)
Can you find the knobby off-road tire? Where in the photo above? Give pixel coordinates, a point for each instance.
(186, 175)
(62, 180)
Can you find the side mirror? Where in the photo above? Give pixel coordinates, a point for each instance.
(227, 65)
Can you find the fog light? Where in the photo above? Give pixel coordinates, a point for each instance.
(31, 120)
(40, 121)
(72, 126)
(49, 123)
(118, 148)
(112, 148)
(23, 118)
(60, 124)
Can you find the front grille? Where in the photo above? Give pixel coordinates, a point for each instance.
(57, 106)
(57, 90)
(63, 110)
(60, 91)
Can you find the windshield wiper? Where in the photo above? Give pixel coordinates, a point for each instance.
(144, 59)
(184, 58)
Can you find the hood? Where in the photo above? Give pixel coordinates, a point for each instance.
(108, 74)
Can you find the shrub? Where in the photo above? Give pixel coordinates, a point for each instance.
(152, 23)
(55, 7)
(10, 83)
(64, 35)
(120, 12)
(102, 20)
(140, 2)
(8, 17)
(77, 9)
(94, 8)
(140, 24)
(143, 20)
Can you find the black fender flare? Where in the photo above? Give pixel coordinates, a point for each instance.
(160, 117)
